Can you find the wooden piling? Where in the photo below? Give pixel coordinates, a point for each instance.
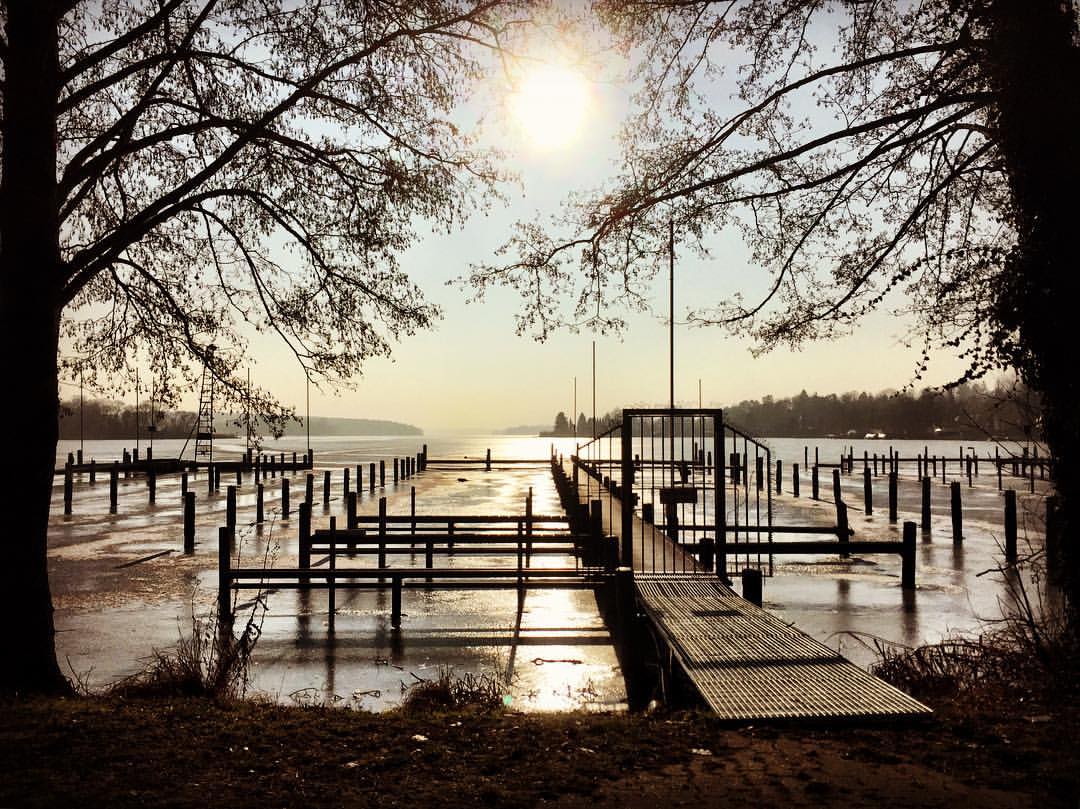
(359, 478)
(259, 518)
(210, 479)
(68, 488)
(836, 496)
(114, 482)
(759, 471)
(751, 585)
(779, 476)
(868, 492)
(189, 522)
(326, 488)
(331, 580)
(350, 510)
(926, 504)
(842, 530)
(395, 471)
(345, 482)
(907, 571)
(395, 602)
(224, 576)
(795, 479)
(371, 476)
(957, 512)
(230, 507)
(814, 488)
(892, 497)
(1010, 526)
(304, 537)
(382, 532)
(93, 471)
(382, 473)
(284, 497)
(309, 488)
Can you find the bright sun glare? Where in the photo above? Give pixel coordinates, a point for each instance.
(549, 105)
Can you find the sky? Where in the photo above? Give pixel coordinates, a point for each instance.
(471, 373)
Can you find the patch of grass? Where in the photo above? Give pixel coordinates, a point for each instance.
(449, 690)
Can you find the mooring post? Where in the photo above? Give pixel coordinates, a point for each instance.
(926, 504)
(225, 616)
(892, 497)
(814, 488)
(1010, 526)
(183, 483)
(759, 470)
(779, 476)
(189, 522)
(345, 482)
(93, 471)
(114, 482)
(230, 507)
(842, 530)
(68, 488)
(304, 537)
(528, 528)
(217, 478)
(751, 585)
(326, 488)
(210, 479)
(382, 473)
(395, 602)
(331, 580)
(259, 502)
(371, 476)
(795, 480)
(423, 456)
(970, 484)
(284, 497)
(907, 558)
(395, 471)
(596, 529)
(412, 513)
(868, 492)
(382, 533)
(836, 496)
(957, 512)
(487, 460)
(350, 510)
(309, 488)
(359, 478)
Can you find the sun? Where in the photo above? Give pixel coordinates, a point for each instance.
(549, 104)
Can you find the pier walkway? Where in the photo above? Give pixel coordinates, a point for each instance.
(745, 663)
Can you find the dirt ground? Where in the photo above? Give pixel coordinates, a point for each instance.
(194, 752)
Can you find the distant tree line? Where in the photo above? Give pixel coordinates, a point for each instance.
(972, 411)
(108, 419)
(564, 427)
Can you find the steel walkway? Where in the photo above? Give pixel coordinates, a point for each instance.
(748, 664)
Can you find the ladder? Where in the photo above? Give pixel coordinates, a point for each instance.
(204, 426)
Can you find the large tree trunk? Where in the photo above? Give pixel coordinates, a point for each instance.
(1035, 65)
(30, 277)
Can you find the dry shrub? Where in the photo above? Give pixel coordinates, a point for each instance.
(210, 662)
(451, 691)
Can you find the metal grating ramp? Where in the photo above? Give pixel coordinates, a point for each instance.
(748, 664)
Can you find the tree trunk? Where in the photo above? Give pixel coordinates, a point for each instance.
(1035, 65)
(30, 283)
